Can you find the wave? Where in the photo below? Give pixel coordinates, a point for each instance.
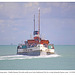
(14, 57)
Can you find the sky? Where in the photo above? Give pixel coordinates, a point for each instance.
(57, 22)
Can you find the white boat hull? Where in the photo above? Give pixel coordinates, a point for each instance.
(35, 51)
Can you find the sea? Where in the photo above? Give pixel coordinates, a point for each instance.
(63, 59)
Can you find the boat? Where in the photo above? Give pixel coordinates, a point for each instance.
(36, 46)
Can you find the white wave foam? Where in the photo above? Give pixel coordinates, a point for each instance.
(14, 57)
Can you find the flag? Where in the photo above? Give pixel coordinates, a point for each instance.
(36, 32)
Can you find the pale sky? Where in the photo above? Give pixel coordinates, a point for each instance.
(57, 22)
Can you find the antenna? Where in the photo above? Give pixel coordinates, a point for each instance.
(31, 36)
(39, 21)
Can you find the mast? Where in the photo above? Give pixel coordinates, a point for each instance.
(34, 22)
(39, 21)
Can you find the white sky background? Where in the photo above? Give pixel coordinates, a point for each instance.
(57, 22)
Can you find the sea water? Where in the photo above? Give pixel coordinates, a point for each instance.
(63, 59)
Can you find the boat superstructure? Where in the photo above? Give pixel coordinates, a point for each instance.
(36, 46)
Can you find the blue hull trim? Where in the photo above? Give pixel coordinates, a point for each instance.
(34, 53)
